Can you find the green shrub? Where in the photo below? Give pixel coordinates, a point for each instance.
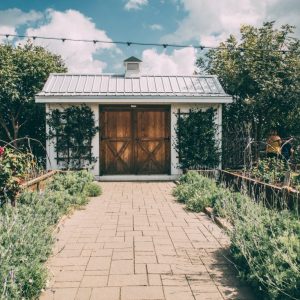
(14, 166)
(265, 246)
(196, 142)
(270, 170)
(190, 184)
(295, 181)
(183, 192)
(190, 177)
(93, 189)
(74, 182)
(26, 233)
(225, 201)
(200, 200)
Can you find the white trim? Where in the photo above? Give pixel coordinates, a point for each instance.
(137, 177)
(219, 132)
(133, 99)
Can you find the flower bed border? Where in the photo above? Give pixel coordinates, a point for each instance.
(255, 188)
(38, 183)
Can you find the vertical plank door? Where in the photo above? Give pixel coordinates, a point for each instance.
(116, 156)
(152, 141)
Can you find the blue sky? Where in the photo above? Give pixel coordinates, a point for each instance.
(204, 22)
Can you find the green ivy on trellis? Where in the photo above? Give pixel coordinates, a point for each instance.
(72, 131)
(196, 142)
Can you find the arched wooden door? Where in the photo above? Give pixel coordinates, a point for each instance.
(134, 140)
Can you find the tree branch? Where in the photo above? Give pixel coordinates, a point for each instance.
(2, 123)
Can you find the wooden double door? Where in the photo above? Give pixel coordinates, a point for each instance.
(134, 140)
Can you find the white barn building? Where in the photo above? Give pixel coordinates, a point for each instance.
(137, 115)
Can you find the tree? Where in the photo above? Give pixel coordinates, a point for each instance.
(265, 84)
(23, 72)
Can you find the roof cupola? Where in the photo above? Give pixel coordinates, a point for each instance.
(132, 67)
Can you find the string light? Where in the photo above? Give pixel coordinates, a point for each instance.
(201, 47)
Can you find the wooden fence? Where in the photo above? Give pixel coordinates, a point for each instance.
(38, 183)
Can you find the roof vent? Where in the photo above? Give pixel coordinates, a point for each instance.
(132, 67)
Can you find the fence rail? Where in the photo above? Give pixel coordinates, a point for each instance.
(39, 182)
(272, 195)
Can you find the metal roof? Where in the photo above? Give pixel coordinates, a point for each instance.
(144, 86)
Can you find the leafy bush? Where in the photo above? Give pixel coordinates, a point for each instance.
(26, 233)
(200, 200)
(93, 190)
(190, 177)
(224, 199)
(14, 166)
(295, 181)
(193, 186)
(74, 182)
(196, 141)
(270, 170)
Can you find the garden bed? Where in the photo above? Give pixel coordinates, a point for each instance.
(272, 195)
(26, 230)
(265, 243)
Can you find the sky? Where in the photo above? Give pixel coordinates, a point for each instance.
(189, 22)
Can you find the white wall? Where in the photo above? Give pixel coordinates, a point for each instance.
(175, 170)
(50, 144)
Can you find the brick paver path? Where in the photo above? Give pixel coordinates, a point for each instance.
(136, 242)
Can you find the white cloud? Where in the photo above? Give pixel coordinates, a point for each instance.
(135, 4)
(6, 30)
(11, 19)
(211, 21)
(178, 62)
(79, 56)
(14, 17)
(155, 27)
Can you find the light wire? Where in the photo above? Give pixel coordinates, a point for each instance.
(164, 45)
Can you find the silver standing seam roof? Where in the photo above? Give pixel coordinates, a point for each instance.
(118, 86)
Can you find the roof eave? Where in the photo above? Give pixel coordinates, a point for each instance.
(133, 99)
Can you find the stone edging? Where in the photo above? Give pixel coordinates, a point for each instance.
(221, 222)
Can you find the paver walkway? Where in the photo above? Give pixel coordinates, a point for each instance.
(136, 242)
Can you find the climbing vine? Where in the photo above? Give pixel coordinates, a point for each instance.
(196, 142)
(72, 131)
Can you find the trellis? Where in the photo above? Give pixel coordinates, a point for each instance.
(73, 129)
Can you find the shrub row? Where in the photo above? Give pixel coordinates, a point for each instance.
(26, 232)
(265, 243)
